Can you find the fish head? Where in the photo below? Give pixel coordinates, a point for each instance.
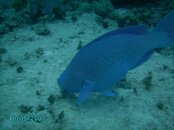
(69, 82)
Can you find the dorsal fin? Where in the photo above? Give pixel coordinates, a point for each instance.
(134, 29)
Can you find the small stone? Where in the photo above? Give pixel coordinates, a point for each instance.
(45, 61)
(135, 91)
(38, 93)
(148, 82)
(42, 30)
(2, 51)
(51, 99)
(165, 67)
(80, 45)
(65, 95)
(19, 69)
(11, 62)
(40, 51)
(26, 108)
(121, 99)
(172, 71)
(60, 117)
(81, 32)
(40, 108)
(0, 59)
(160, 106)
(39, 73)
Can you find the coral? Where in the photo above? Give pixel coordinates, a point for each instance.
(123, 17)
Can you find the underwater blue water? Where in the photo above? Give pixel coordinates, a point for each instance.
(86, 65)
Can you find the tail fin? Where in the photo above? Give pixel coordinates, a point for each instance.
(167, 25)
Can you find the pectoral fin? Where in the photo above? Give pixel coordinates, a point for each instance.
(143, 59)
(86, 90)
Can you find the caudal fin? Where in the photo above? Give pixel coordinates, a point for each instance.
(167, 25)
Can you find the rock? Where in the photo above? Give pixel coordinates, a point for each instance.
(42, 30)
(4, 29)
(102, 7)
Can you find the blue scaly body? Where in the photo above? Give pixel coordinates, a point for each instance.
(102, 63)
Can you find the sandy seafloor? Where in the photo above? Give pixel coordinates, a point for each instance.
(134, 107)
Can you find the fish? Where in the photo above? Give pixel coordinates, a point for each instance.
(105, 61)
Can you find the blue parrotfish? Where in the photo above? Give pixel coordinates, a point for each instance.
(105, 61)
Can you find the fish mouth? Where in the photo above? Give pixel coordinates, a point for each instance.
(60, 83)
